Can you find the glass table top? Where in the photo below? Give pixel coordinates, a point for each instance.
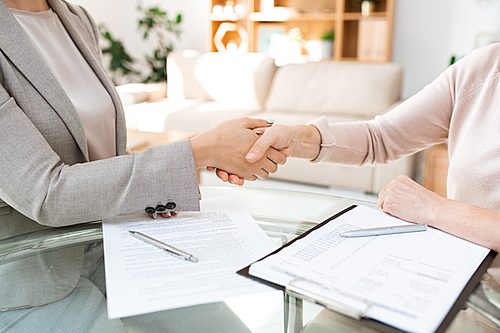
(282, 214)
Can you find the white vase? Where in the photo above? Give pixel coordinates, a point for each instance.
(326, 49)
(267, 6)
(367, 8)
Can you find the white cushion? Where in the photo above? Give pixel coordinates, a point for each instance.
(182, 82)
(222, 77)
(233, 78)
(152, 117)
(132, 93)
(263, 77)
(333, 87)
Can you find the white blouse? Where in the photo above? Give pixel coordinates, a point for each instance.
(86, 92)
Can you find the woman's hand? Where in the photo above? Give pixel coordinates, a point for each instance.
(299, 141)
(224, 147)
(225, 177)
(410, 201)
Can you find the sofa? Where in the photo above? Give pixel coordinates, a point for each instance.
(204, 89)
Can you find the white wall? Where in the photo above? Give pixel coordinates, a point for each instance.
(426, 32)
(121, 18)
(420, 41)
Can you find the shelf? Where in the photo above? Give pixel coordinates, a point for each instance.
(357, 16)
(216, 18)
(264, 17)
(357, 38)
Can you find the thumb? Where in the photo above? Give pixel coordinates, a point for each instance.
(259, 148)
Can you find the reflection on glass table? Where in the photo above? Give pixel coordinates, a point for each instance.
(283, 215)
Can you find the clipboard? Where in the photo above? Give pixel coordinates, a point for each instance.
(360, 312)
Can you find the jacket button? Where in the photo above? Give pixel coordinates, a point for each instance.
(161, 208)
(171, 205)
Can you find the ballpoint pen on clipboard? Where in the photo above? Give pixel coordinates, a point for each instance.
(385, 230)
(163, 246)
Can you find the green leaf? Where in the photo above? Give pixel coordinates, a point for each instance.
(156, 24)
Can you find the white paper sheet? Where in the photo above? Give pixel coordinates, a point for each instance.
(141, 278)
(412, 280)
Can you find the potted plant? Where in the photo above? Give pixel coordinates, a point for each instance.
(156, 22)
(367, 6)
(120, 62)
(327, 44)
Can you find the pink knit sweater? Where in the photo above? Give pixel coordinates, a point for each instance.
(462, 106)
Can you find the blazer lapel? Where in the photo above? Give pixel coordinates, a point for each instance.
(86, 43)
(17, 46)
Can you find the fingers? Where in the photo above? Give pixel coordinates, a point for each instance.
(390, 190)
(234, 179)
(276, 156)
(408, 200)
(260, 147)
(223, 175)
(252, 123)
(270, 164)
(259, 130)
(261, 170)
(380, 201)
(164, 214)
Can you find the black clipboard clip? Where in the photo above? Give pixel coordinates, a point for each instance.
(345, 304)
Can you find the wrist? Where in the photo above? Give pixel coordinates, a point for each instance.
(307, 141)
(200, 147)
(438, 211)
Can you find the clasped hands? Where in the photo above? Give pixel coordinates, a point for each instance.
(247, 149)
(225, 146)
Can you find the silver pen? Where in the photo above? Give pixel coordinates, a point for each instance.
(163, 246)
(385, 231)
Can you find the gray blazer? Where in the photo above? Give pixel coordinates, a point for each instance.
(45, 173)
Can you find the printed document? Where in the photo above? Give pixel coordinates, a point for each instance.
(409, 281)
(141, 278)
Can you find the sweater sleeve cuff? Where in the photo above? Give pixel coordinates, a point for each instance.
(328, 141)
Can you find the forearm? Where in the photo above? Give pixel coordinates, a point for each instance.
(476, 224)
(418, 122)
(55, 194)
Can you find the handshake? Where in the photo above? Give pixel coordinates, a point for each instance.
(247, 148)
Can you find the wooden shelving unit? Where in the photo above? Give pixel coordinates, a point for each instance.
(313, 18)
(435, 171)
